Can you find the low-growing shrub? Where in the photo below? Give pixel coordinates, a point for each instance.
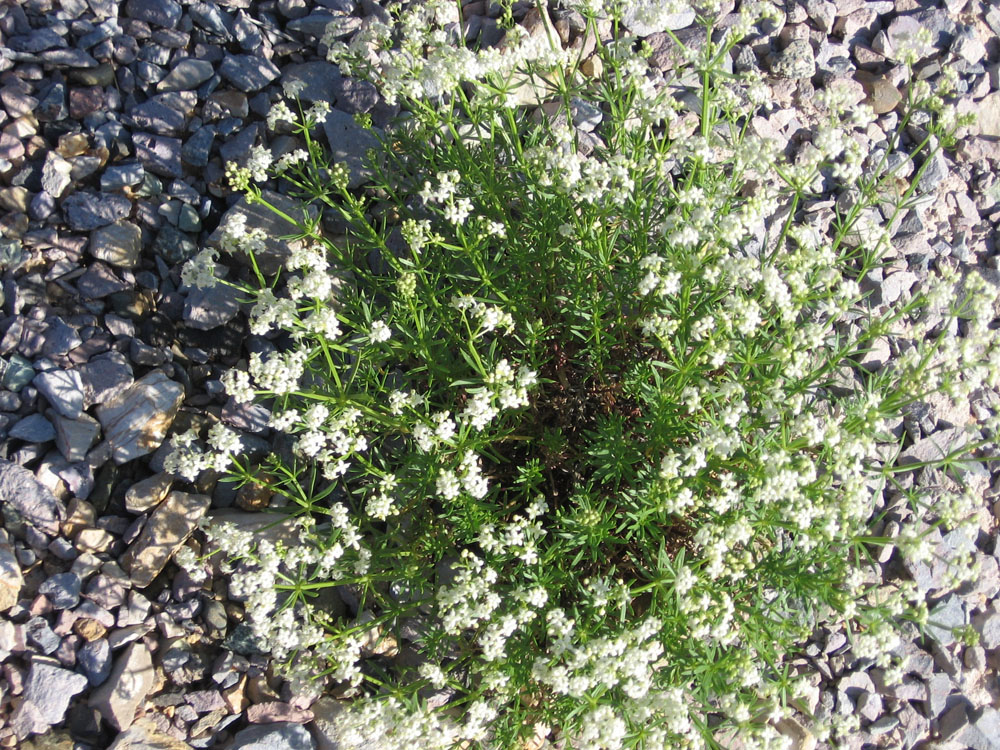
(587, 426)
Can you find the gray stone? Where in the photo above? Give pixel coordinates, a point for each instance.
(95, 659)
(40, 634)
(198, 147)
(48, 690)
(60, 338)
(74, 437)
(173, 245)
(122, 175)
(989, 629)
(63, 389)
(11, 579)
(939, 687)
(210, 308)
(636, 23)
(18, 374)
(86, 210)
(948, 614)
(349, 144)
(62, 589)
(118, 244)
(934, 447)
(136, 420)
(159, 154)
(36, 41)
(935, 172)
(953, 721)
(144, 735)
(148, 493)
(795, 61)
(104, 377)
(126, 688)
(187, 75)
(281, 736)
(354, 96)
(165, 13)
(26, 500)
(318, 78)
(156, 117)
(276, 251)
(99, 281)
(56, 174)
(984, 732)
(166, 530)
(248, 72)
(34, 428)
(967, 45)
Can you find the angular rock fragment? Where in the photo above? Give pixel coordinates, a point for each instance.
(136, 420)
(126, 688)
(165, 531)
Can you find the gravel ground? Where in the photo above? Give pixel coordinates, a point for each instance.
(116, 120)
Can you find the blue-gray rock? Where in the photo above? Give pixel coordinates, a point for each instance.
(27, 500)
(280, 736)
(63, 389)
(38, 632)
(318, 78)
(316, 22)
(211, 18)
(95, 660)
(121, 175)
(205, 309)
(950, 613)
(18, 374)
(34, 428)
(37, 41)
(104, 377)
(197, 148)
(248, 72)
(238, 147)
(159, 154)
(42, 206)
(52, 103)
(69, 58)
(86, 210)
(246, 417)
(155, 116)
(187, 75)
(165, 13)
(349, 144)
(354, 96)
(62, 589)
(56, 174)
(126, 688)
(60, 338)
(99, 281)
(188, 219)
(173, 245)
(74, 437)
(48, 690)
(118, 244)
(136, 421)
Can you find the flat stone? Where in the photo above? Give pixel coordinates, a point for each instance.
(277, 711)
(37, 40)
(276, 251)
(159, 154)
(63, 389)
(198, 147)
(99, 281)
(165, 531)
(56, 174)
(988, 116)
(274, 737)
(40, 634)
(104, 377)
(136, 421)
(120, 176)
(95, 659)
(34, 428)
(173, 245)
(148, 493)
(126, 688)
(48, 690)
(318, 79)
(62, 590)
(933, 447)
(248, 72)
(947, 615)
(11, 579)
(144, 735)
(634, 19)
(349, 144)
(118, 244)
(86, 210)
(164, 13)
(27, 500)
(210, 308)
(795, 61)
(187, 75)
(156, 117)
(74, 437)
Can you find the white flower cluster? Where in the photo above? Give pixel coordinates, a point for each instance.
(188, 460)
(487, 317)
(467, 476)
(507, 388)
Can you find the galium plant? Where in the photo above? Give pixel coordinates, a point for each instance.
(577, 437)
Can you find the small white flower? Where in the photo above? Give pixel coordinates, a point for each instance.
(379, 332)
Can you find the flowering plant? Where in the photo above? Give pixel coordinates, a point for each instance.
(584, 430)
